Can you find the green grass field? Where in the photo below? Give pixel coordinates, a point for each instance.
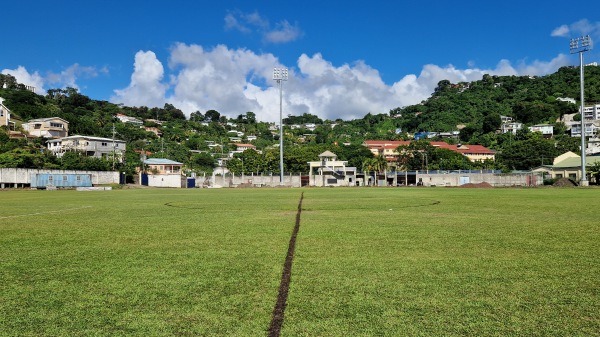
(368, 262)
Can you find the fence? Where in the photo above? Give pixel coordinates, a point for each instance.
(19, 178)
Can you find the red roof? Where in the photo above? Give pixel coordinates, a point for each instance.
(464, 148)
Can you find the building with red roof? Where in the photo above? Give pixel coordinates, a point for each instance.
(388, 149)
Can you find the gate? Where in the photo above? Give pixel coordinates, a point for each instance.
(144, 179)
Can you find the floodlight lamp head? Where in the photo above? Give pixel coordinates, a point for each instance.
(581, 44)
(280, 74)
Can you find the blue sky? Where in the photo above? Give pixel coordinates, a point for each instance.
(346, 58)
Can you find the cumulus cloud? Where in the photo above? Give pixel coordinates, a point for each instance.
(146, 87)
(283, 31)
(581, 27)
(235, 81)
(32, 79)
(66, 78)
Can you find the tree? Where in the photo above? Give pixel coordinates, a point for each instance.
(212, 116)
(202, 162)
(594, 171)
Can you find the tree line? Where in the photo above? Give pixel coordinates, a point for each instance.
(475, 107)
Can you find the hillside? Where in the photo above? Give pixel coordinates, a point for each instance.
(474, 108)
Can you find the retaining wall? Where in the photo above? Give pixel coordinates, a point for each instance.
(18, 177)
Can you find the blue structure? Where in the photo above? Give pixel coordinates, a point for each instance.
(70, 180)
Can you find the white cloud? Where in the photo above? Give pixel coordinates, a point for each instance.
(561, 31)
(249, 22)
(235, 81)
(581, 27)
(284, 32)
(24, 77)
(146, 87)
(69, 76)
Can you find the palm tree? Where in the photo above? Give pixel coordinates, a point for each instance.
(380, 165)
(368, 165)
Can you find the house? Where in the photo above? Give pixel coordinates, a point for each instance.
(129, 120)
(154, 130)
(591, 128)
(90, 146)
(52, 127)
(511, 127)
(388, 149)
(329, 171)
(567, 165)
(162, 172)
(547, 130)
(591, 112)
(5, 116)
(243, 147)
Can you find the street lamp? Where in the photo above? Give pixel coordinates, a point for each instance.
(280, 75)
(581, 45)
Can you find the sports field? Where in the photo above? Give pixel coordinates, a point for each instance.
(367, 262)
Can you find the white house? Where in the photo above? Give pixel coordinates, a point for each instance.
(547, 130)
(591, 129)
(511, 127)
(90, 146)
(592, 111)
(162, 172)
(329, 171)
(52, 127)
(129, 120)
(5, 116)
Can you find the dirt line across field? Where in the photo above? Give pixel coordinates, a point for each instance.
(284, 286)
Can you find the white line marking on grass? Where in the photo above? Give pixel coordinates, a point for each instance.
(40, 213)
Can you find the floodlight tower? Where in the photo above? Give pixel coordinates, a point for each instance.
(581, 45)
(280, 75)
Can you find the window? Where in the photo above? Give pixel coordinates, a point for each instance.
(50, 178)
(64, 178)
(104, 144)
(78, 178)
(572, 175)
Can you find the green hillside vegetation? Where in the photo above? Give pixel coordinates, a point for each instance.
(477, 106)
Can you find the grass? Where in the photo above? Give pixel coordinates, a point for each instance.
(369, 262)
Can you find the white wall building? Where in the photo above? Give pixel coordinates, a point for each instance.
(547, 130)
(90, 146)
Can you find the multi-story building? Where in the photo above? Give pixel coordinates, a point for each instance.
(53, 127)
(591, 129)
(5, 116)
(592, 112)
(388, 149)
(511, 127)
(90, 146)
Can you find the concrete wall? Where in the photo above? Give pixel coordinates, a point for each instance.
(17, 177)
(318, 180)
(254, 180)
(166, 180)
(494, 179)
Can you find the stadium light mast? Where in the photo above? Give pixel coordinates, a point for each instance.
(280, 75)
(581, 45)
